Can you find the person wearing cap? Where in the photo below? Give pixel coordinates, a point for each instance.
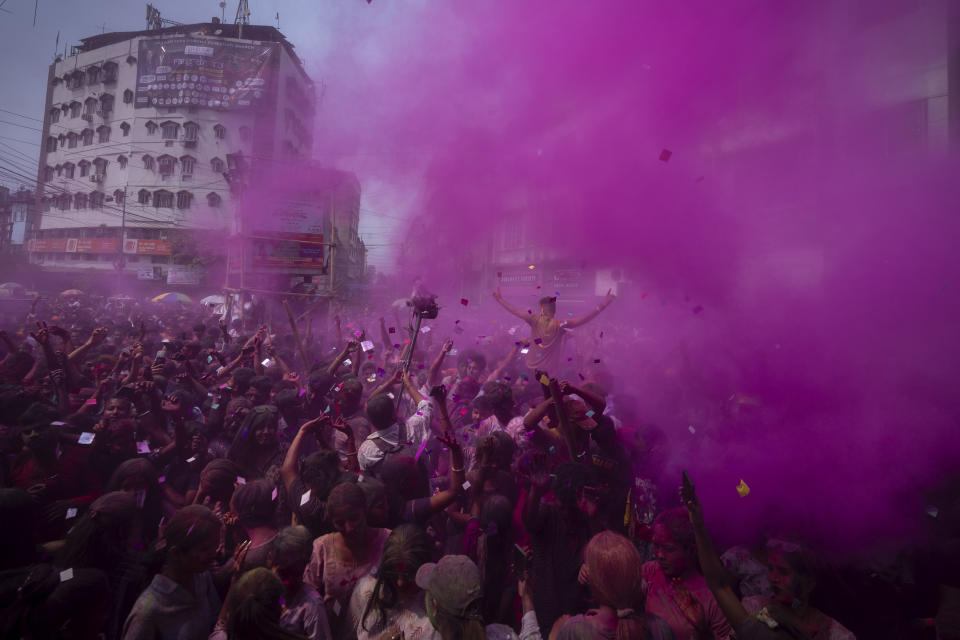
(454, 594)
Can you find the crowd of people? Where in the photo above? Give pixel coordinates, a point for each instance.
(171, 474)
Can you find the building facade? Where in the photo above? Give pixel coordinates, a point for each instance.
(144, 166)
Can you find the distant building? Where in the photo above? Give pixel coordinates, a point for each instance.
(161, 132)
(17, 220)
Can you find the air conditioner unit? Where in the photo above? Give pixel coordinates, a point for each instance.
(88, 117)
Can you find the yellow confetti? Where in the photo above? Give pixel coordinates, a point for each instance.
(545, 381)
(743, 489)
(531, 267)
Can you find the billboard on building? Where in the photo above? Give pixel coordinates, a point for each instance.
(291, 237)
(205, 72)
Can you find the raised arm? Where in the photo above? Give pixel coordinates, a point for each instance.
(710, 564)
(434, 377)
(332, 369)
(509, 307)
(597, 403)
(98, 335)
(497, 373)
(576, 322)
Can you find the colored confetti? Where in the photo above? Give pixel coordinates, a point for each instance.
(596, 361)
(742, 489)
(691, 429)
(464, 301)
(305, 498)
(66, 574)
(392, 330)
(932, 511)
(665, 155)
(545, 381)
(273, 496)
(71, 513)
(241, 480)
(531, 267)
(85, 438)
(644, 295)
(143, 447)
(537, 341)
(590, 413)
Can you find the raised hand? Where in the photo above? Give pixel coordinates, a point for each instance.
(42, 336)
(565, 388)
(99, 335)
(447, 346)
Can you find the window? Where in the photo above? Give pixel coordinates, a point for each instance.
(219, 131)
(186, 165)
(151, 127)
(122, 161)
(90, 106)
(80, 201)
(124, 128)
(59, 170)
(63, 201)
(183, 199)
(217, 165)
(63, 140)
(165, 164)
(191, 131)
(55, 114)
(75, 109)
(234, 161)
(74, 79)
(84, 167)
(162, 198)
(244, 133)
(100, 166)
(119, 196)
(103, 134)
(143, 196)
(106, 104)
(110, 72)
(168, 130)
(68, 170)
(72, 140)
(51, 144)
(147, 162)
(213, 199)
(87, 136)
(47, 174)
(127, 96)
(96, 199)
(93, 75)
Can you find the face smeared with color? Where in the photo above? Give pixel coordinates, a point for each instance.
(117, 408)
(669, 555)
(473, 370)
(351, 522)
(787, 584)
(265, 433)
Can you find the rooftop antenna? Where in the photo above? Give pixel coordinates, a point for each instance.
(278, 21)
(223, 10)
(242, 17)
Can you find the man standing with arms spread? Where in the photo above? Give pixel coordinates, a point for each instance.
(547, 332)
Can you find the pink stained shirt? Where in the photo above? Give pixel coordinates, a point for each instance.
(660, 602)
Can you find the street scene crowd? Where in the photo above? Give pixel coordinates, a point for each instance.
(170, 473)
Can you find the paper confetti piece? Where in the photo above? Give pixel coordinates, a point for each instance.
(143, 447)
(194, 459)
(531, 267)
(425, 330)
(932, 511)
(691, 429)
(241, 480)
(392, 330)
(348, 362)
(66, 574)
(552, 449)
(537, 341)
(349, 325)
(581, 376)
(665, 155)
(644, 295)
(366, 345)
(545, 381)
(85, 438)
(742, 489)
(305, 498)
(466, 485)
(464, 301)
(336, 608)
(161, 479)
(71, 513)
(596, 361)
(273, 496)
(590, 413)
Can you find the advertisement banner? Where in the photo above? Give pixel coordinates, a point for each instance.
(183, 275)
(52, 245)
(281, 249)
(97, 245)
(292, 236)
(519, 281)
(147, 247)
(206, 72)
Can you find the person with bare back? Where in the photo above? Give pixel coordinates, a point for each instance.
(546, 331)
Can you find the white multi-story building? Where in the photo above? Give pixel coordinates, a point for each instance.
(151, 136)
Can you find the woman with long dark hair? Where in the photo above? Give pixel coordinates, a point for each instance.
(254, 606)
(391, 600)
(256, 447)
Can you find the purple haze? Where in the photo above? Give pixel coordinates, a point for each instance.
(816, 248)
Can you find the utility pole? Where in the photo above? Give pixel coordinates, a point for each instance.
(333, 254)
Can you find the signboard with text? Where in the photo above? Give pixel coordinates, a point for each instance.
(99, 245)
(215, 73)
(292, 236)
